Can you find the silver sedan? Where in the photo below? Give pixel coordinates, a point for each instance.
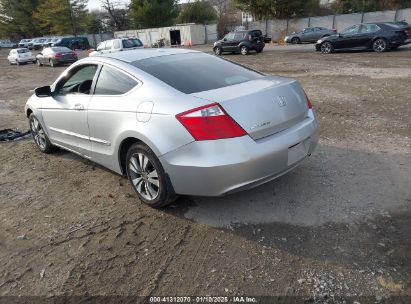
(176, 121)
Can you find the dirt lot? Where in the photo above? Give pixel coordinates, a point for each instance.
(338, 226)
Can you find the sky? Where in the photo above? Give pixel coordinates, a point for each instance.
(96, 4)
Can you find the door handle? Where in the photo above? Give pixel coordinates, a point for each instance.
(78, 107)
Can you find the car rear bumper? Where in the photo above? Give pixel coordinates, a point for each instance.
(27, 59)
(215, 168)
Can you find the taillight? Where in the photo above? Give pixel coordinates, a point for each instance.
(335, 30)
(210, 122)
(309, 104)
(58, 55)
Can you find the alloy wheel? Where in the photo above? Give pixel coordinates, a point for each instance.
(38, 133)
(217, 51)
(144, 176)
(379, 45)
(326, 48)
(244, 50)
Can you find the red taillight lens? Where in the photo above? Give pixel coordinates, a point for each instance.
(73, 54)
(58, 55)
(210, 122)
(309, 104)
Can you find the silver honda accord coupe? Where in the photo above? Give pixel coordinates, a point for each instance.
(176, 121)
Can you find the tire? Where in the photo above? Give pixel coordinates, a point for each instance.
(259, 51)
(18, 62)
(39, 136)
(147, 177)
(326, 48)
(295, 40)
(52, 63)
(39, 63)
(244, 50)
(380, 45)
(218, 50)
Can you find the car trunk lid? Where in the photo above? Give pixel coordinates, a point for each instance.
(262, 107)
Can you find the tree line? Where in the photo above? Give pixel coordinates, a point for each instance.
(30, 18)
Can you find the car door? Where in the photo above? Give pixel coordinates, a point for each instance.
(111, 108)
(348, 38)
(366, 35)
(228, 43)
(65, 112)
(306, 34)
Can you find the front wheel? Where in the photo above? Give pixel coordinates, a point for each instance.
(147, 177)
(39, 63)
(244, 50)
(218, 50)
(327, 48)
(40, 137)
(295, 40)
(379, 45)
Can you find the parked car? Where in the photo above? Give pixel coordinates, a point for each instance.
(240, 41)
(73, 43)
(310, 34)
(20, 55)
(56, 55)
(116, 45)
(37, 43)
(7, 44)
(380, 37)
(24, 43)
(176, 121)
(50, 41)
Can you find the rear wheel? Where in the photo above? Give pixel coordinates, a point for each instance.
(327, 48)
(259, 51)
(295, 40)
(379, 45)
(18, 62)
(39, 63)
(52, 63)
(218, 50)
(40, 137)
(244, 50)
(147, 176)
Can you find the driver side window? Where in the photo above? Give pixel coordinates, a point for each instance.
(351, 30)
(79, 80)
(229, 36)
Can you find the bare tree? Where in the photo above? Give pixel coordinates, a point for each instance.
(117, 13)
(228, 16)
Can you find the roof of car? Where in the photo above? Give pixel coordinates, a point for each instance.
(135, 55)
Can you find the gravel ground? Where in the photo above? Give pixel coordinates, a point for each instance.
(339, 226)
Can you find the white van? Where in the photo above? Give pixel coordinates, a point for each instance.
(117, 45)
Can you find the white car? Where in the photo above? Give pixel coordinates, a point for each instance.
(21, 55)
(117, 45)
(6, 44)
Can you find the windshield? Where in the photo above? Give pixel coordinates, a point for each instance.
(130, 43)
(196, 72)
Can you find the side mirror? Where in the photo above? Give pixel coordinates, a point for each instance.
(43, 91)
(225, 39)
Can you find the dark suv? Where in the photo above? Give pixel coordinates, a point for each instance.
(73, 43)
(240, 41)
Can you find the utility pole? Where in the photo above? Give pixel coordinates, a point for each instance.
(71, 19)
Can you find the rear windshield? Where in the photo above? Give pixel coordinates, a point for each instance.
(131, 43)
(20, 51)
(60, 49)
(196, 72)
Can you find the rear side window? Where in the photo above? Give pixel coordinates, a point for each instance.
(131, 43)
(196, 72)
(116, 44)
(113, 82)
(109, 45)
